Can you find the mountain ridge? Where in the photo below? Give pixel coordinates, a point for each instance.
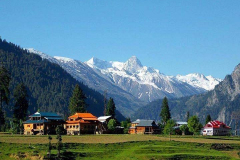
(131, 84)
(49, 85)
(220, 102)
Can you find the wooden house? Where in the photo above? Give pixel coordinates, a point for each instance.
(216, 128)
(141, 126)
(81, 123)
(42, 123)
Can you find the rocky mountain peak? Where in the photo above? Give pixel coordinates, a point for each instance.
(237, 70)
(133, 64)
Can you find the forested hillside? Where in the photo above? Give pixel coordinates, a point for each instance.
(49, 86)
(220, 103)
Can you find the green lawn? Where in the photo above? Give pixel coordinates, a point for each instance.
(121, 147)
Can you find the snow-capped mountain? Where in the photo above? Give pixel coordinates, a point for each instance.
(147, 83)
(126, 103)
(130, 83)
(199, 80)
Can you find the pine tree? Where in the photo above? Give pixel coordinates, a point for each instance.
(21, 104)
(208, 119)
(77, 101)
(110, 108)
(4, 91)
(165, 112)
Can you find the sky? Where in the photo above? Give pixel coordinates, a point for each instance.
(175, 37)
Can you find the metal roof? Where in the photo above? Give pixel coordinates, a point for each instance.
(54, 118)
(137, 121)
(45, 114)
(103, 118)
(146, 123)
(36, 121)
(216, 124)
(181, 123)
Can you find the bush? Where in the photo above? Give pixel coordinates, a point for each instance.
(169, 127)
(112, 124)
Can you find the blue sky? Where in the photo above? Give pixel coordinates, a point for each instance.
(176, 37)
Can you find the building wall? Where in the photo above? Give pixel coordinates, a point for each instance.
(140, 130)
(216, 131)
(27, 129)
(132, 131)
(77, 128)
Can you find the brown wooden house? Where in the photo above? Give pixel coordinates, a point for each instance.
(42, 123)
(81, 123)
(141, 126)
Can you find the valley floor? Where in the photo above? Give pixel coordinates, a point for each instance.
(121, 147)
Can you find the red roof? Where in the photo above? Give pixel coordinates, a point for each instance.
(83, 116)
(216, 124)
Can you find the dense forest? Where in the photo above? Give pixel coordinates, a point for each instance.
(49, 86)
(220, 103)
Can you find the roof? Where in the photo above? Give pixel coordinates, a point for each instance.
(54, 118)
(137, 121)
(181, 123)
(103, 118)
(83, 115)
(216, 124)
(77, 122)
(36, 121)
(44, 114)
(145, 123)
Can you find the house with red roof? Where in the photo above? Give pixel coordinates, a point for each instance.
(81, 123)
(216, 128)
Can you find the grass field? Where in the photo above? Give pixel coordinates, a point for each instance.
(122, 147)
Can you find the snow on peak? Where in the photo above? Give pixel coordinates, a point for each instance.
(133, 64)
(65, 59)
(97, 63)
(199, 80)
(41, 54)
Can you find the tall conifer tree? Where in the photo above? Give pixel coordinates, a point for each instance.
(77, 101)
(4, 91)
(208, 119)
(21, 104)
(165, 112)
(110, 108)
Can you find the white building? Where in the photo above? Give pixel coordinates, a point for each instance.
(216, 128)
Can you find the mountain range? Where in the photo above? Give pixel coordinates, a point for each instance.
(220, 103)
(49, 86)
(131, 84)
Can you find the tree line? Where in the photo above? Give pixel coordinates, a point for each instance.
(20, 102)
(167, 124)
(76, 103)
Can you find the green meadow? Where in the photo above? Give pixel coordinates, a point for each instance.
(121, 147)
